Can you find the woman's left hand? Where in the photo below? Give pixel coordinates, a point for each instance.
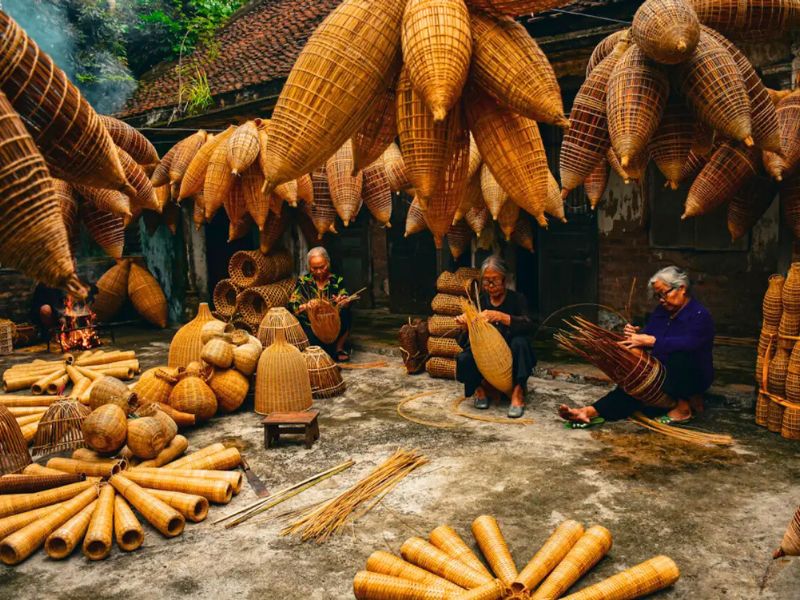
(639, 340)
(495, 316)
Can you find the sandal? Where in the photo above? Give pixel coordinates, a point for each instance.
(342, 356)
(575, 425)
(667, 420)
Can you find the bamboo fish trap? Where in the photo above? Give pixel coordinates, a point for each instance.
(253, 303)
(225, 293)
(324, 374)
(595, 183)
(344, 186)
(355, 48)
(105, 228)
(14, 454)
(147, 296)
(280, 318)
(377, 132)
(442, 368)
(131, 141)
(747, 19)
(395, 166)
(667, 31)
(112, 291)
(790, 545)
(605, 47)
(187, 344)
(249, 268)
(788, 111)
(640, 580)
(728, 170)
(446, 199)
(445, 347)
(325, 320)
(491, 352)
(282, 382)
(377, 194)
(61, 428)
(671, 142)
(323, 213)
(242, 147)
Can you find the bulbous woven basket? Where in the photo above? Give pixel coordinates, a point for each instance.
(112, 290)
(324, 373)
(325, 321)
(282, 382)
(280, 318)
(187, 343)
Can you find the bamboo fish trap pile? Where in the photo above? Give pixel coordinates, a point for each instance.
(59, 508)
(444, 566)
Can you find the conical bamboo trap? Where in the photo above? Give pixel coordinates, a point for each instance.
(459, 238)
(790, 544)
(747, 19)
(280, 318)
(131, 141)
(395, 166)
(147, 296)
(377, 193)
(323, 213)
(324, 374)
(344, 186)
(282, 382)
(377, 132)
(489, 348)
(671, 142)
(788, 112)
(112, 291)
(452, 187)
(729, 168)
(667, 31)
(105, 228)
(415, 218)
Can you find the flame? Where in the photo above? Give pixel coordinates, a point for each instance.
(77, 326)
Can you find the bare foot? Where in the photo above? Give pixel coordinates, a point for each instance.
(577, 415)
(681, 412)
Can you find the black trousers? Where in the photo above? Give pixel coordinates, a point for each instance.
(523, 362)
(684, 380)
(346, 318)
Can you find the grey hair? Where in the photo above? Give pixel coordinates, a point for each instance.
(672, 276)
(318, 251)
(495, 263)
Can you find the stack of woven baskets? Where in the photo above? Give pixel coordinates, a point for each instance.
(442, 346)
(778, 362)
(256, 283)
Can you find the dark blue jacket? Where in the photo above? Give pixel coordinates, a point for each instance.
(691, 331)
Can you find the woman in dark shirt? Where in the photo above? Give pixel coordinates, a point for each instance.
(507, 310)
(680, 333)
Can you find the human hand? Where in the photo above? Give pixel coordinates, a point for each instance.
(461, 320)
(629, 330)
(638, 340)
(493, 316)
(302, 308)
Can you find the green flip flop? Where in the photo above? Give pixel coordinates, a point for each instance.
(667, 420)
(594, 422)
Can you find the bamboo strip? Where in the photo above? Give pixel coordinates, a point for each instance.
(127, 529)
(63, 540)
(191, 506)
(159, 514)
(427, 556)
(550, 554)
(219, 492)
(389, 564)
(91, 468)
(12, 523)
(175, 448)
(494, 547)
(100, 535)
(448, 541)
(227, 459)
(207, 451)
(234, 478)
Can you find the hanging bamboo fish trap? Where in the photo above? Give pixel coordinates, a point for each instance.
(112, 291)
(193, 178)
(280, 318)
(730, 168)
(667, 31)
(493, 195)
(509, 65)
(471, 198)
(445, 200)
(426, 144)
(192, 395)
(147, 296)
(358, 42)
(68, 202)
(605, 47)
(145, 196)
(459, 239)
(415, 218)
(160, 175)
(477, 218)
(325, 320)
(270, 236)
(64, 126)
(747, 19)
(324, 374)
(282, 382)
(693, 165)
(715, 91)
(508, 218)
(437, 48)
(586, 141)
(377, 132)
(253, 303)
(60, 428)
(323, 213)
(522, 235)
(131, 141)
(256, 202)
(187, 344)
(635, 99)
(671, 142)
(595, 183)
(112, 201)
(218, 181)
(249, 268)
(395, 166)
(344, 186)
(105, 228)
(512, 148)
(377, 194)
(788, 112)
(14, 454)
(225, 293)
(790, 203)
(491, 352)
(242, 147)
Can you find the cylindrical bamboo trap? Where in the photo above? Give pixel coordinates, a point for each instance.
(234, 478)
(494, 547)
(100, 534)
(230, 458)
(442, 368)
(443, 346)
(27, 401)
(127, 529)
(175, 448)
(389, 564)
(790, 544)
(427, 556)
(12, 523)
(16, 503)
(37, 469)
(159, 514)
(26, 484)
(448, 541)
(104, 468)
(377, 586)
(550, 554)
(192, 506)
(63, 540)
(194, 456)
(215, 490)
(443, 326)
(640, 580)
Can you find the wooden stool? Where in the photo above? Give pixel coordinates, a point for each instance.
(292, 423)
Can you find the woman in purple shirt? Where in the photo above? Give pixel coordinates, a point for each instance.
(680, 333)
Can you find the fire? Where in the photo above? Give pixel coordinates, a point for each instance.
(77, 327)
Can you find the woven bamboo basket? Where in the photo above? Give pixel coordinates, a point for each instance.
(146, 437)
(790, 204)
(790, 292)
(269, 237)
(672, 140)
(110, 390)
(324, 374)
(14, 454)
(509, 65)
(193, 179)
(560, 542)
(586, 141)
(131, 141)
(790, 425)
(68, 202)
(345, 187)
(790, 545)
(127, 529)
(230, 387)
(427, 144)
(282, 382)
(253, 303)
(446, 199)
(377, 132)
(367, 585)
(145, 196)
(193, 507)
(453, 284)
(775, 412)
(508, 218)
(248, 268)
(256, 202)
(637, 94)
(415, 218)
(187, 345)
(413, 355)
(667, 31)
(730, 167)
(605, 47)
(377, 194)
(166, 422)
(772, 306)
(640, 580)
(446, 304)
(64, 126)
(105, 429)
(395, 166)
(514, 8)
(100, 533)
(788, 112)
(749, 19)
(354, 51)
(323, 213)
(225, 293)
(218, 353)
(493, 195)
(192, 395)
(112, 201)
(218, 181)
(242, 147)
(325, 321)
(494, 548)
(158, 513)
(492, 354)
(715, 91)
(112, 291)
(587, 551)
(778, 366)
(61, 542)
(443, 346)
(60, 428)
(596, 182)
(762, 409)
(147, 297)
(477, 219)
(511, 147)
(448, 541)
(437, 47)
(385, 563)
(280, 318)
(427, 556)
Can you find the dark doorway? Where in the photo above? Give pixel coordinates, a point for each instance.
(350, 257)
(219, 250)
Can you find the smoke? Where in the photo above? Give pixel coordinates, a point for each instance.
(103, 79)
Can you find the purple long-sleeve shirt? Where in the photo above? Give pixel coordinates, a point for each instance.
(691, 330)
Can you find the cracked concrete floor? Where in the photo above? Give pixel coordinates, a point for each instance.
(718, 513)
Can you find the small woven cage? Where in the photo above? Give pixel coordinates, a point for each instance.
(187, 344)
(193, 395)
(443, 346)
(253, 303)
(282, 382)
(147, 296)
(225, 293)
(377, 194)
(377, 132)
(443, 326)
(280, 318)
(344, 186)
(324, 374)
(249, 268)
(667, 31)
(729, 169)
(671, 142)
(60, 428)
(325, 320)
(14, 454)
(442, 368)
(395, 166)
(446, 304)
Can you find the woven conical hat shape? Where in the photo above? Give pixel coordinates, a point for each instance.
(187, 343)
(147, 296)
(282, 381)
(357, 43)
(112, 291)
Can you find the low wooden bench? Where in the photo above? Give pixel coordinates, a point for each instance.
(291, 423)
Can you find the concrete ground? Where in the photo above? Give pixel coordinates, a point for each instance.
(718, 513)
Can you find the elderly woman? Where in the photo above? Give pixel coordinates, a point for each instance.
(680, 333)
(507, 310)
(319, 282)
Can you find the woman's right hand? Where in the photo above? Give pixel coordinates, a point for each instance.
(461, 320)
(302, 308)
(630, 330)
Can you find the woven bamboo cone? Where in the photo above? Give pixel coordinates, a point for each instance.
(643, 579)
(193, 179)
(23, 411)
(63, 540)
(192, 506)
(22, 543)
(788, 111)
(129, 139)
(671, 143)
(493, 590)
(217, 491)
(12, 523)
(550, 554)
(666, 30)
(40, 386)
(111, 201)
(159, 514)
(127, 529)
(747, 19)
(309, 123)
(448, 541)
(185, 151)
(494, 547)
(242, 147)
(444, 202)
(104, 468)
(372, 139)
(344, 186)
(790, 544)
(105, 358)
(147, 296)
(377, 586)
(218, 181)
(145, 196)
(492, 354)
(194, 456)
(100, 534)
(234, 478)
(437, 47)
(587, 551)
(427, 556)
(16, 503)
(175, 448)
(730, 168)
(389, 564)
(105, 228)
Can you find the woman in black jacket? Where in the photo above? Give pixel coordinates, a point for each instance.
(507, 310)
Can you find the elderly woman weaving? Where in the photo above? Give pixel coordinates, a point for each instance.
(679, 333)
(319, 282)
(507, 310)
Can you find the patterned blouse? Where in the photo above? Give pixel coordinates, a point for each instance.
(306, 289)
